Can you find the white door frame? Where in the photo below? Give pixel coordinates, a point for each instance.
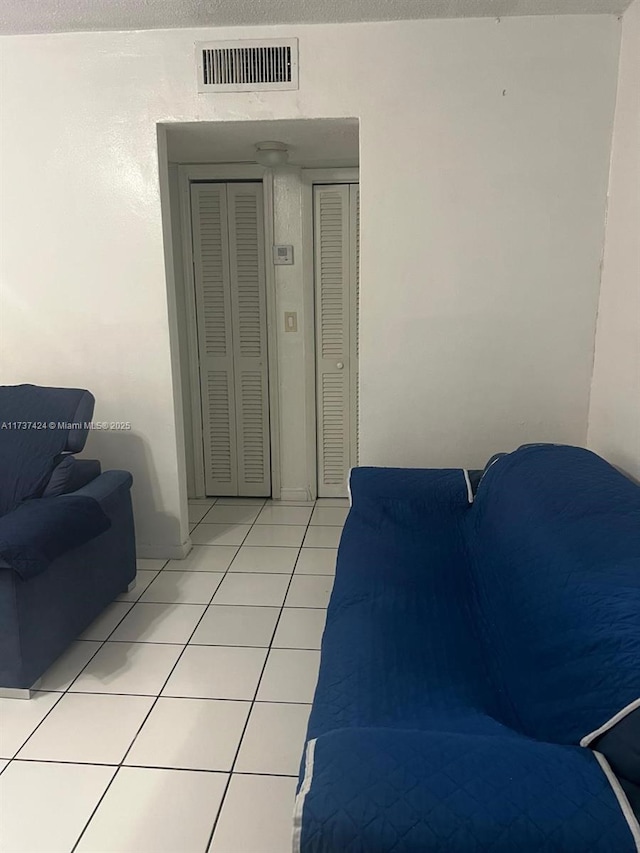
(309, 178)
(229, 173)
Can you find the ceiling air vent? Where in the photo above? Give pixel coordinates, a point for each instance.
(247, 66)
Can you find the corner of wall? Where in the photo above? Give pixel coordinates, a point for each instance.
(178, 422)
(613, 423)
(604, 243)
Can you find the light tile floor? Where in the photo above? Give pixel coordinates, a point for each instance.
(176, 723)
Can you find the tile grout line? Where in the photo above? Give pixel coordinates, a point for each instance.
(156, 696)
(208, 848)
(204, 604)
(154, 703)
(67, 689)
(115, 767)
(110, 783)
(64, 692)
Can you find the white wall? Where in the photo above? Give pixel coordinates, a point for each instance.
(182, 322)
(483, 166)
(614, 417)
(292, 346)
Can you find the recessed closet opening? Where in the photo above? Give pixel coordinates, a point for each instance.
(265, 222)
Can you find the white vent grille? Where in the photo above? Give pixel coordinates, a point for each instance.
(247, 66)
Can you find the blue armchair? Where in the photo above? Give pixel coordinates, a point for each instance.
(67, 543)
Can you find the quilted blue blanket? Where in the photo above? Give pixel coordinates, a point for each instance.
(471, 646)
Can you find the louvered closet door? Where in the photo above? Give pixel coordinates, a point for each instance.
(228, 253)
(215, 342)
(335, 219)
(248, 311)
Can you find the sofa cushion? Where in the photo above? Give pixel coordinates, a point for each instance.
(381, 790)
(554, 556)
(400, 609)
(37, 425)
(621, 747)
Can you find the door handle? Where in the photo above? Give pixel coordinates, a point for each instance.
(339, 365)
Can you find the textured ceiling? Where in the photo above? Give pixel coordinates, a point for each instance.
(311, 142)
(44, 16)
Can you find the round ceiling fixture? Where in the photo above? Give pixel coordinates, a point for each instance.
(271, 153)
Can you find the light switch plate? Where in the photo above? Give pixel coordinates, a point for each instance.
(290, 321)
(282, 254)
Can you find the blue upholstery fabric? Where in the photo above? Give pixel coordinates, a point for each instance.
(390, 791)
(621, 747)
(34, 432)
(71, 474)
(468, 649)
(41, 616)
(39, 531)
(554, 545)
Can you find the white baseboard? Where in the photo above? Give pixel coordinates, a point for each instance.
(163, 552)
(295, 495)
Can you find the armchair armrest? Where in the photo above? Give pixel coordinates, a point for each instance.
(376, 790)
(401, 494)
(40, 530)
(107, 489)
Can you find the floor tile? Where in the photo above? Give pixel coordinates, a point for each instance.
(285, 515)
(227, 625)
(273, 560)
(309, 591)
(61, 673)
(159, 623)
(269, 801)
(84, 728)
(240, 501)
(192, 527)
(245, 560)
(46, 806)
(289, 676)
(317, 561)
(274, 739)
(197, 512)
(192, 734)
(220, 534)
(322, 537)
(102, 627)
(332, 516)
(216, 672)
(202, 501)
(234, 514)
(204, 558)
(252, 588)
(138, 668)
(183, 587)
(300, 629)
(143, 579)
(155, 811)
(19, 718)
(280, 535)
(151, 565)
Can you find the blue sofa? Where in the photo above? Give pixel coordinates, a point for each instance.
(480, 668)
(67, 543)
